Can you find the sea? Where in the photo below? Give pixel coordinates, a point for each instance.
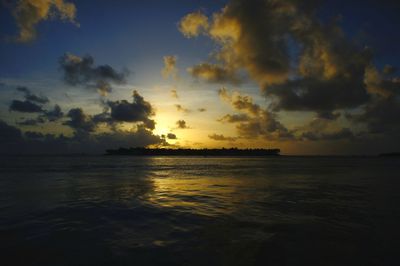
(125, 210)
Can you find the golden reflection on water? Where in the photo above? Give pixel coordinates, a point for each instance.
(199, 194)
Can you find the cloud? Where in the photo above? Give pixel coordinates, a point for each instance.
(300, 63)
(25, 107)
(31, 121)
(46, 116)
(13, 141)
(193, 24)
(249, 36)
(79, 121)
(53, 115)
(380, 116)
(214, 73)
(221, 138)
(381, 83)
(137, 111)
(265, 125)
(182, 124)
(253, 121)
(33, 97)
(29, 13)
(174, 94)
(170, 69)
(344, 133)
(180, 108)
(325, 129)
(233, 118)
(201, 110)
(240, 102)
(81, 71)
(319, 96)
(35, 104)
(32, 103)
(171, 136)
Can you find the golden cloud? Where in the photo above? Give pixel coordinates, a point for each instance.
(193, 24)
(28, 13)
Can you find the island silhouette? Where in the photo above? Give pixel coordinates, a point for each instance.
(140, 151)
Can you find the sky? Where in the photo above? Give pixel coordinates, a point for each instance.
(309, 77)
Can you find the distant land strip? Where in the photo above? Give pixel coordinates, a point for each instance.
(193, 152)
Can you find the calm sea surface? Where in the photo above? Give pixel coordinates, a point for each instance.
(199, 211)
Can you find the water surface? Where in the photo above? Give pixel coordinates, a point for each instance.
(104, 210)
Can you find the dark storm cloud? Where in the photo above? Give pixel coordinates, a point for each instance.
(221, 138)
(13, 141)
(82, 71)
(137, 111)
(25, 107)
(181, 124)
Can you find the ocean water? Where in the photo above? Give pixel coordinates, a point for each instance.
(105, 210)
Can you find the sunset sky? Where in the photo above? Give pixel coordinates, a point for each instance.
(308, 77)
